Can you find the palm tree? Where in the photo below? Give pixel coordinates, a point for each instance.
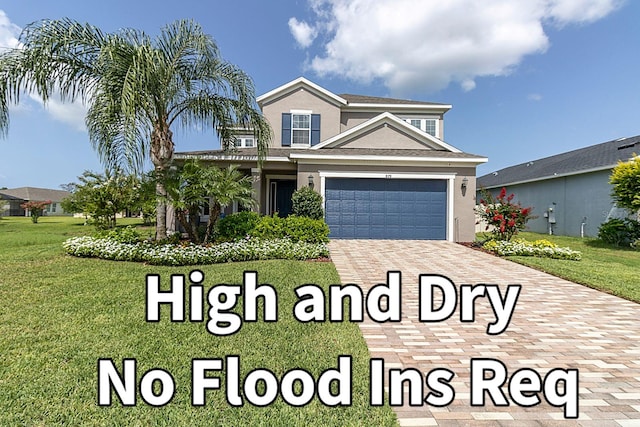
(225, 187)
(193, 185)
(137, 89)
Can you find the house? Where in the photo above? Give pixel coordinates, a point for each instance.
(570, 192)
(11, 199)
(381, 164)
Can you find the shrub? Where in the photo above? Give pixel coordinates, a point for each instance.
(307, 203)
(538, 248)
(505, 217)
(269, 227)
(127, 234)
(295, 228)
(237, 226)
(304, 229)
(619, 232)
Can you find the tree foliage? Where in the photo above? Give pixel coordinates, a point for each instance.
(625, 178)
(138, 89)
(102, 196)
(35, 208)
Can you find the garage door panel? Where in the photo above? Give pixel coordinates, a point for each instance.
(386, 208)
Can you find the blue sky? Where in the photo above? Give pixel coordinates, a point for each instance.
(527, 79)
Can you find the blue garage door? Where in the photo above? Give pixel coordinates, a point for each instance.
(370, 208)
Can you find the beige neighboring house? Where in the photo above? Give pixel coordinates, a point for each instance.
(381, 165)
(11, 199)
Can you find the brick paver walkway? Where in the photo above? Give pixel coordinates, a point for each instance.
(556, 324)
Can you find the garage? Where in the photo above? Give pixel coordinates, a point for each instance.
(376, 208)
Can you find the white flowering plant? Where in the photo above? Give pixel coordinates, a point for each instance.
(190, 254)
(539, 248)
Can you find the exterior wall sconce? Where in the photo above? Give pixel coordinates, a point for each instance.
(465, 181)
(311, 181)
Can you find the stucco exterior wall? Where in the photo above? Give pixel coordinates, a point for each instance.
(384, 137)
(578, 198)
(301, 99)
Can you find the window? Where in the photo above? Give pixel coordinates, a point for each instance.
(429, 126)
(244, 142)
(301, 129)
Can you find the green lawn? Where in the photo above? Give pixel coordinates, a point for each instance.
(611, 269)
(60, 314)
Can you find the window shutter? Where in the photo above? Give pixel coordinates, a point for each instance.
(315, 129)
(286, 129)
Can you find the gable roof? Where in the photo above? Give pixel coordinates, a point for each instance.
(387, 119)
(299, 83)
(350, 101)
(589, 159)
(35, 194)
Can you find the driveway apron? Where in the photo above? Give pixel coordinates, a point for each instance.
(555, 324)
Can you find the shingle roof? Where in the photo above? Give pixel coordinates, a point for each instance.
(285, 152)
(595, 157)
(362, 99)
(35, 194)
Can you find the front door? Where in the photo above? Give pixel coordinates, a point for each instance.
(281, 192)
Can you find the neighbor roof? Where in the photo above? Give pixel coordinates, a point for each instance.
(35, 194)
(589, 159)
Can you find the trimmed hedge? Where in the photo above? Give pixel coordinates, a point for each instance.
(236, 226)
(190, 254)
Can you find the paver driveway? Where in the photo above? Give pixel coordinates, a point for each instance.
(556, 324)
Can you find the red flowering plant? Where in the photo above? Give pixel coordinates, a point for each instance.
(503, 217)
(36, 209)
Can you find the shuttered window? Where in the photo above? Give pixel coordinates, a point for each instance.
(300, 130)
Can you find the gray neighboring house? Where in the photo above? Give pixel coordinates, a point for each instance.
(12, 198)
(571, 188)
(381, 164)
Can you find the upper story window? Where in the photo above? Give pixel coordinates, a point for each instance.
(300, 129)
(429, 126)
(245, 142)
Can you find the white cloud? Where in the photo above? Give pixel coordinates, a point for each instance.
(302, 32)
(9, 33)
(581, 11)
(70, 113)
(413, 44)
(534, 97)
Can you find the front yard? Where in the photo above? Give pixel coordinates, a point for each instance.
(609, 269)
(60, 314)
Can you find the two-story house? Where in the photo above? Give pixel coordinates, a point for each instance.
(380, 164)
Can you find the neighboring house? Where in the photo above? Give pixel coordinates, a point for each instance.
(571, 188)
(12, 198)
(381, 164)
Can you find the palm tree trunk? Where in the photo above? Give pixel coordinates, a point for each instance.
(214, 213)
(161, 211)
(161, 155)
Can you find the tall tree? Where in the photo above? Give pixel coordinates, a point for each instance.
(137, 88)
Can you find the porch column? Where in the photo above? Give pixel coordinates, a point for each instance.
(256, 184)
